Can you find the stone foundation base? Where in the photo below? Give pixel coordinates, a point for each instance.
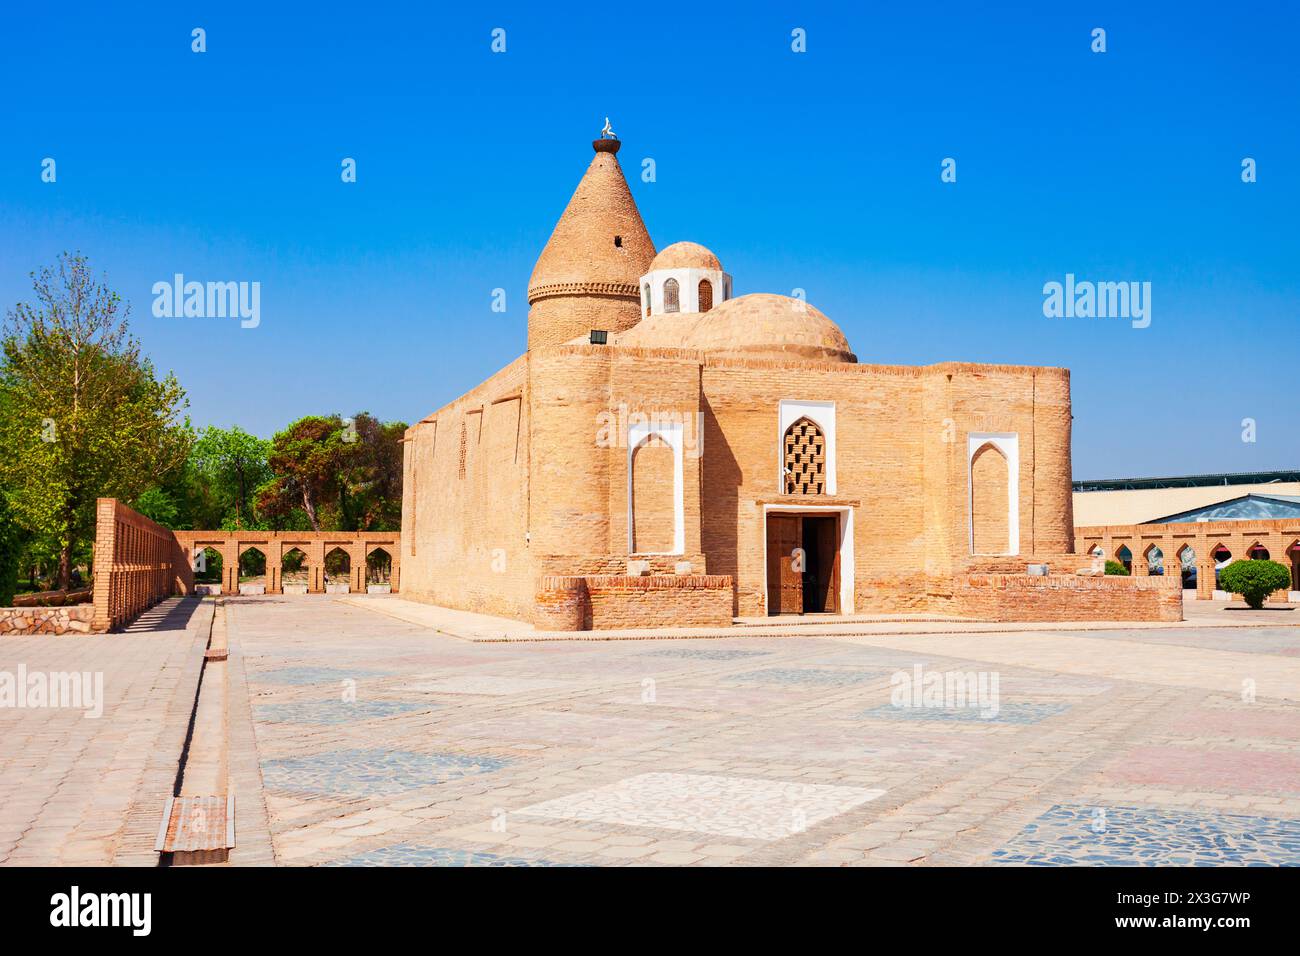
(23, 621)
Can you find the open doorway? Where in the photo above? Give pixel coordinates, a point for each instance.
(803, 564)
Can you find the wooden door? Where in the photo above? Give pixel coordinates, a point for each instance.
(828, 562)
(785, 564)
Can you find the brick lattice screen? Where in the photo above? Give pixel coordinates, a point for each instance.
(805, 459)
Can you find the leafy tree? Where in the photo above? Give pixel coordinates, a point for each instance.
(306, 459)
(13, 541)
(1254, 580)
(1115, 567)
(158, 505)
(86, 417)
(223, 474)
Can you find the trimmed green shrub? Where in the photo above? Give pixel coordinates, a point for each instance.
(1254, 580)
(1114, 567)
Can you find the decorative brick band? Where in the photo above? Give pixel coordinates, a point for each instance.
(553, 289)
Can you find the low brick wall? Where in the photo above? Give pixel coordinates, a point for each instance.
(138, 562)
(24, 621)
(1068, 597)
(607, 602)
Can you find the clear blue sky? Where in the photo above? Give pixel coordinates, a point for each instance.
(816, 170)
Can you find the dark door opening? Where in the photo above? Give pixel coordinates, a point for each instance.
(803, 564)
(821, 584)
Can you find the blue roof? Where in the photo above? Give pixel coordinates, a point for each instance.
(1245, 508)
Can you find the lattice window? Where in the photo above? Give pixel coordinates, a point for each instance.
(706, 295)
(805, 459)
(671, 296)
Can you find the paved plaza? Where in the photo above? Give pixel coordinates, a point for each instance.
(361, 738)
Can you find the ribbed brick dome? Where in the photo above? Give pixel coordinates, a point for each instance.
(686, 255)
(765, 325)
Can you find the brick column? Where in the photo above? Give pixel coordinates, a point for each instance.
(274, 566)
(316, 569)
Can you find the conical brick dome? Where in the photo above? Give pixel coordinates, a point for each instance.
(587, 276)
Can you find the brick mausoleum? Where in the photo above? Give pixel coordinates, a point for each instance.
(667, 453)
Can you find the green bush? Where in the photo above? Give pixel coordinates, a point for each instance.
(1114, 567)
(1254, 580)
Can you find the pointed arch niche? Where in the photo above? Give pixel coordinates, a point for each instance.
(993, 482)
(644, 442)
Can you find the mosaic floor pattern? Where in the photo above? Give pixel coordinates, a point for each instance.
(702, 803)
(819, 677)
(372, 771)
(1136, 836)
(1013, 713)
(310, 675)
(326, 712)
(410, 854)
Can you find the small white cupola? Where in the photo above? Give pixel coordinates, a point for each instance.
(684, 277)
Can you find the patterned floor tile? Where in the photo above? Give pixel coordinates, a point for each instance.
(812, 676)
(740, 807)
(1135, 836)
(372, 771)
(334, 711)
(706, 653)
(1013, 713)
(488, 685)
(411, 854)
(310, 675)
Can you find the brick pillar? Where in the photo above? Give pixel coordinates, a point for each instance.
(1204, 578)
(316, 569)
(357, 582)
(274, 566)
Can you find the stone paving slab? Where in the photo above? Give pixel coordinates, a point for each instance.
(90, 791)
(760, 749)
(360, 738)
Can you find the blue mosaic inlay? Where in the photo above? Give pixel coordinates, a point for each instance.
(312, 675)
(706, 654)
(334, 711)
(807, 675)
(410, 854)
(1006, 713)
(372, 771)
(1138, 836)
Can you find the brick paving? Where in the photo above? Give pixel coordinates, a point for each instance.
(381, 741)
(77, 790)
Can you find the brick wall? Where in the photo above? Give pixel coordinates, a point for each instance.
(465, 525)
(137, 563)
(605, 602)
(1068, 597)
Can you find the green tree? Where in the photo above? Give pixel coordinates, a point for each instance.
(86, 415)
(225, 469)
(1254, 580)
(306, 459)
(1115, 567)
(13, 543)
(339, 475)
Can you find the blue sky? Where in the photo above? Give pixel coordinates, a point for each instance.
(817, 170)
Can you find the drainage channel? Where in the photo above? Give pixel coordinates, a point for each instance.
(198, 820)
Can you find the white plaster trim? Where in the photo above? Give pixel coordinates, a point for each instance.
(823, 413)
(847, 570)
(688, 289)
(1009, 444)
(671, 433)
